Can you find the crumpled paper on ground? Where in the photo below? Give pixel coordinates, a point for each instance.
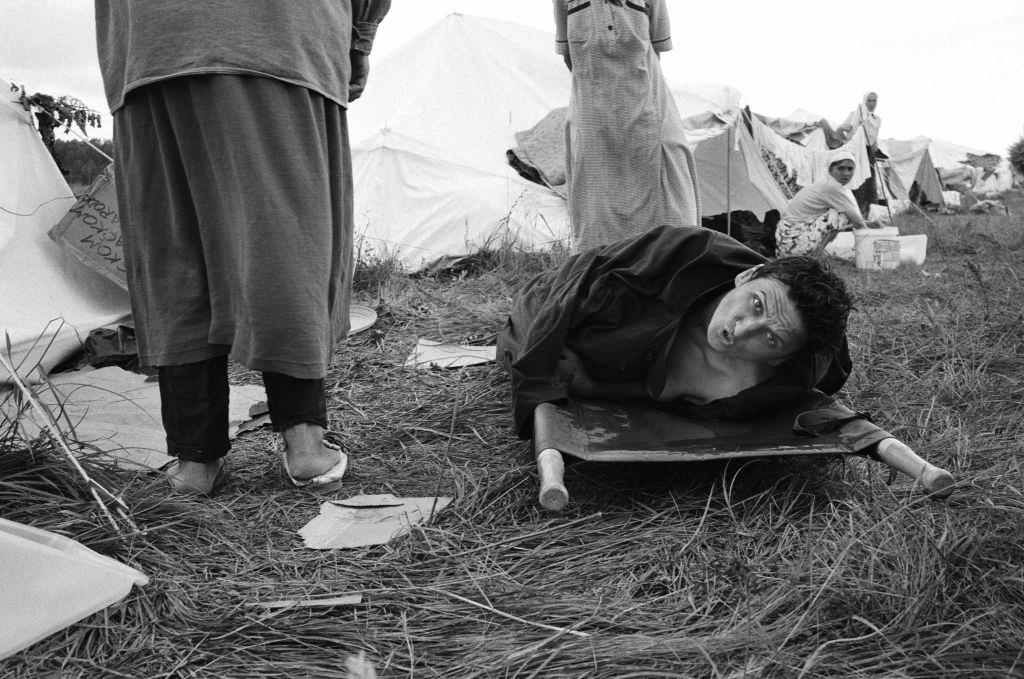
(365, 520)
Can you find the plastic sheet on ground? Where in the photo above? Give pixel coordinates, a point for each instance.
(51, 582)
(365, 520)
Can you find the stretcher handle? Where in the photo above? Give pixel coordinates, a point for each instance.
(551, 468)
(936, 481)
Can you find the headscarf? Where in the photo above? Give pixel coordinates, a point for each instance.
(841, 154)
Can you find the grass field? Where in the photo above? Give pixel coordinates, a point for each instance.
(793, 568)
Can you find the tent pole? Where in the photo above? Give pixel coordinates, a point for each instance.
(728, 182)
(882, 183)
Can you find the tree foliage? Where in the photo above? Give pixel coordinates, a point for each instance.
(79, 162)
(1016, 154)
(55, 112)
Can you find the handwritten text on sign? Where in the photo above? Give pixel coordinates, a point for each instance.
(91, 230)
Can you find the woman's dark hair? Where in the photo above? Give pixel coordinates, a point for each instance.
(820, 296)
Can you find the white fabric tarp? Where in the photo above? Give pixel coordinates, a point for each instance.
(49, 300)
(811, 164)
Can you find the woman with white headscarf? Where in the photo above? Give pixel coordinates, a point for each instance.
(864, 115)
(820, 210)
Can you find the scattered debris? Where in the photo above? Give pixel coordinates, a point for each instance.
(327, 602)
(431, 354)
(360, 318)
(989, 207)
(365, 520)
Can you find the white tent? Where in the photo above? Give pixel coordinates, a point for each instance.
(429, 140)
(429, 137)
(917, 175)
(49, 300)
(731, 174)
(953, 164)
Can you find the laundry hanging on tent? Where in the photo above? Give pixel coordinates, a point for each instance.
(809, 164)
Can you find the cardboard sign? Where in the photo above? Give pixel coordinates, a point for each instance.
(91, 230)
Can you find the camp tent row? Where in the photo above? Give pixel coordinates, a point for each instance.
(918, 168)
(430, 135)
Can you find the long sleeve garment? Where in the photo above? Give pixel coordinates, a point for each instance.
(618, 307)
(628, 168)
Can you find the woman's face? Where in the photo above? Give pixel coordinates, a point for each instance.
(871, 102)
(842, 171)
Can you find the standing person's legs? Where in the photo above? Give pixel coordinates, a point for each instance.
(166, 270)
(194, 409)
(298, 410)
(238, 198)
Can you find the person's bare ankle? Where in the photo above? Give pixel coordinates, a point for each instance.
(307, 457)
(195, 478)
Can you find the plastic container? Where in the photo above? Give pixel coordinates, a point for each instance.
(913, 248)
(51, 582)
(876, 248)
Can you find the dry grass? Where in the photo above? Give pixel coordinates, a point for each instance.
(792, 568)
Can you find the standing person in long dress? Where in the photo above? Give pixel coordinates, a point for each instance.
(864, 115)
(234, 186)
(628, 168)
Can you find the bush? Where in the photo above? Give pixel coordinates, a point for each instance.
(1016, 153)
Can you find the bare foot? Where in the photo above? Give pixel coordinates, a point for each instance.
(195, 478)
(307, 456)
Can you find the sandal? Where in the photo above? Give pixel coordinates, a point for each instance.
(329, 480)
(188, 489)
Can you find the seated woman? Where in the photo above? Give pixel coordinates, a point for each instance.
(682, 317)
(820, 210)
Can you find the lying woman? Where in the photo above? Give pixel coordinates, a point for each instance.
(682, 317)
(821, 210)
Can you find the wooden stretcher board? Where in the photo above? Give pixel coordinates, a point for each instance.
(603, 431)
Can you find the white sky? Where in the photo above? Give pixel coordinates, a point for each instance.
(948, 69)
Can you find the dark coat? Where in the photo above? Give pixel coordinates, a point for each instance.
(617, 305)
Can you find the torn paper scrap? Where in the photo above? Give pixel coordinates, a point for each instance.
(366, 520)
(431, 354)
(117, 412)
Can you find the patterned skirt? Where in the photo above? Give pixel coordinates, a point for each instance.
(810, 237)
